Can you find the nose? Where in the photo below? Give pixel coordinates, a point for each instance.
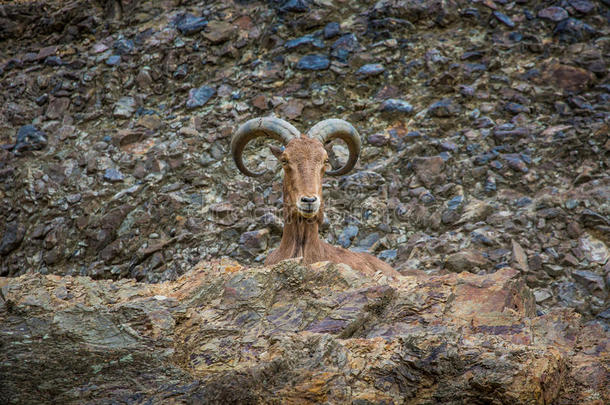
(309, 200)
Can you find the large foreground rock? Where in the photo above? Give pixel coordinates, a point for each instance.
(288, 334)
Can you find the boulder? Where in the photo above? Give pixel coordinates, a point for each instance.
(287, 333)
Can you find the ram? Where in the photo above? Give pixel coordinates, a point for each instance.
(305, 161)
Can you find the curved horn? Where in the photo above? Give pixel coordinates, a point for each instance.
(330, 129)
(271, 127)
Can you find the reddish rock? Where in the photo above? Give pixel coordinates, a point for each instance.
(45, 52)
(57, 107)
(379, 138)
(152, 122)
(224, 213)
(126, 137)
(555, 14)
(387, 91)
(566, 77)
(218, 32)
(466, 261)
(582, 6)
(254, 242)
(292, 109)
(261, 102)
(244, 23)
(417, 337)
(519, 257)
(429, 169)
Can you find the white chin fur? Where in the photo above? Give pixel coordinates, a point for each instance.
(307, 214)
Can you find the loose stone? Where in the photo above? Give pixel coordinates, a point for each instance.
(113, 175)
(369, 70)
(188, 24)
(113, 60)
(503, 18)
(553, 13)
(396, 106)
(313, 62)
(331, 30)
(199, 96)
(125, 107)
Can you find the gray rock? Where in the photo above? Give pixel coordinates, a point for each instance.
(555, 14)
(574, 296)
(113, 175)
(29, 138)
(124, 108)
(368, 244)
(466, 261)
(542, 295)
(594, 249)
(378, 139)
(396, 106)
(446, 107)
(296, 6)
(12, 237)
(254, 242)
(594, 283)
(348, 234)
(388, 255)
(181, 71)
(331, 30)
(53, 61)
(572, 30)
(516, 108)
(371, 69)
(188, 24)
(124, 46)
(313, 62)
(344, 46)
(113, 60)
(504, 19)
(582, 6)
(200, 96)
(449, 217)
(304, 41)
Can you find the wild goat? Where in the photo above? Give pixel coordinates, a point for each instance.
(305, 161)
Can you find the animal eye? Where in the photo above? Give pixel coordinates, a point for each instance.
(284, 161)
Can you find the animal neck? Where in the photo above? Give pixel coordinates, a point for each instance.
(300, 237)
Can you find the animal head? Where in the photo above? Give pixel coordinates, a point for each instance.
(304, 158)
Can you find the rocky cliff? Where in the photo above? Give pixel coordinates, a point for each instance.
(485, 150)
(225, 334)
(484, 126)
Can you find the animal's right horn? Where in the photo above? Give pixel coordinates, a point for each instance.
(332, 128)
(271, 127)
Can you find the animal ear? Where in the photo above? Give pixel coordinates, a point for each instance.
(276, 150)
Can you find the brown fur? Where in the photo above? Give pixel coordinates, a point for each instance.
(304, 163)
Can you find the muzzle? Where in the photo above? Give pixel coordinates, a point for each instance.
(308, 206)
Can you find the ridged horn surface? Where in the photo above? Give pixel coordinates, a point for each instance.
(270, 127)
(332, 128)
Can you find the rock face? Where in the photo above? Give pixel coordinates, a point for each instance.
(226, 334)
(116, 119)
(485, 128)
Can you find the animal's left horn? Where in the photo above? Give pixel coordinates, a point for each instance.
(270, 127)
(330, 129)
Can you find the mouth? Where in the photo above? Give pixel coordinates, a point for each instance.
(308, 210)
(307, 214)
